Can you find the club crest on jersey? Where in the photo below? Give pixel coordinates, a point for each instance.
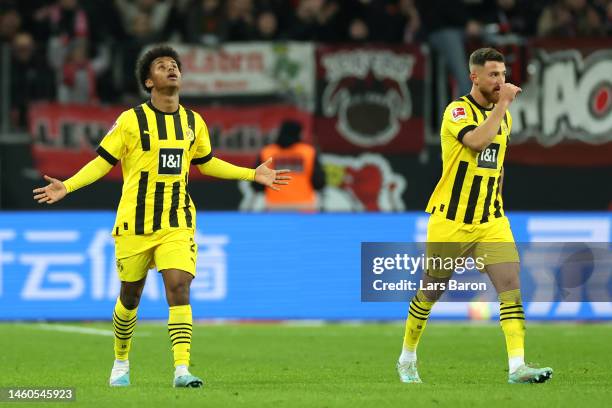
(458, 113)
(190, 134)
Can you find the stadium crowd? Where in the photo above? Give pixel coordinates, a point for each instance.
(74, 41)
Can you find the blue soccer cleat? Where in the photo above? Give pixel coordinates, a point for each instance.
(526, 374)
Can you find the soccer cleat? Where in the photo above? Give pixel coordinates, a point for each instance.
(408, 372)
(187, 381)
(120, 377)
(526, 374)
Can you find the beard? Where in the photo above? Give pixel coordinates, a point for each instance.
(491, 96)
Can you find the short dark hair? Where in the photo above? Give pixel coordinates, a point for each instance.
(482, 55)
(143, 67)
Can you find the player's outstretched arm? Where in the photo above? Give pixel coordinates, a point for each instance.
(269, 177)
(56, 189)
(479, 138)
(52, 192)
(262, 174)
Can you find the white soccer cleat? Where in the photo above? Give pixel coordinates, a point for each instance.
(120, 375)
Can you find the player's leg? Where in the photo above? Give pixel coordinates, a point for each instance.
(180, 325)
(132, 273)
(505, 279)
(418, 314)
(496, 246)
(176, 259)
(420, 306)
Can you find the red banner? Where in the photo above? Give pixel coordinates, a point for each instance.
(563, 117)
(370, 99)
(65, 136)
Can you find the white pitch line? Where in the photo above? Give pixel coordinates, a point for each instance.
(82, 330)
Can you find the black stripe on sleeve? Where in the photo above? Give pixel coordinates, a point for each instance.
(140, 202)
(191, 125)
(472, 200)
(158, 205)
(103, 153)
(487, 201)
(175, 203)
(202, 160)
(178, 127)
(162, 132)
(144, 128)
(463, 131)
(456, 194)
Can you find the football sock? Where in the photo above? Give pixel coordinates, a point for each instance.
(180, 328)
(418, 314)
(124, 321)
(181, 370)
(512, 320)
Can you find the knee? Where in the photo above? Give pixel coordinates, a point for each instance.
(178, 293)
(130, 302)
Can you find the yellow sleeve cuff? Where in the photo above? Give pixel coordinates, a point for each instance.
(92, 171)
(221, 169)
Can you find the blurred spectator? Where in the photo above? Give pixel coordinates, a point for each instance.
(10, 23)
(267, 28)
(283, 11)
(358, 30)
(64, 19)
(29, 78)
(608, 18)
(307, 174)
(157, 14)
(240, 23)
(317, 20)
(445, 29)
(140, 35)
(514, 16)
(400, 22)
(205, 22)
(570, 18)
(76, 72)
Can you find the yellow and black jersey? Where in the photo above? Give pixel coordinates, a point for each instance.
(468, 190)
(155, 150)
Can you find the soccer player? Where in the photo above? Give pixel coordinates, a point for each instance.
(156, 143)
(467, 216)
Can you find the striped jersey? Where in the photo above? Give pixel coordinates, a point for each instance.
(468, 190)
(155, 149)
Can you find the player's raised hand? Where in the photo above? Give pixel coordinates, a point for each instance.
(269, 177)
(51, 193)
(508, 92)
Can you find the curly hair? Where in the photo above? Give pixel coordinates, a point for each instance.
(143, 67)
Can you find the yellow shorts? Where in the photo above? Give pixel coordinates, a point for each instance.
(487, 244)
(164, 249)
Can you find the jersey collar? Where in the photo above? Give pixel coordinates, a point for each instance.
(154, 109)
(471, 99)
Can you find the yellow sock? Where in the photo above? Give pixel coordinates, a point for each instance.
(124, 321)
(512, 320)
(180, 328)
(418, 314)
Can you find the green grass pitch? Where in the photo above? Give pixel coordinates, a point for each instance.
(335, 365)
